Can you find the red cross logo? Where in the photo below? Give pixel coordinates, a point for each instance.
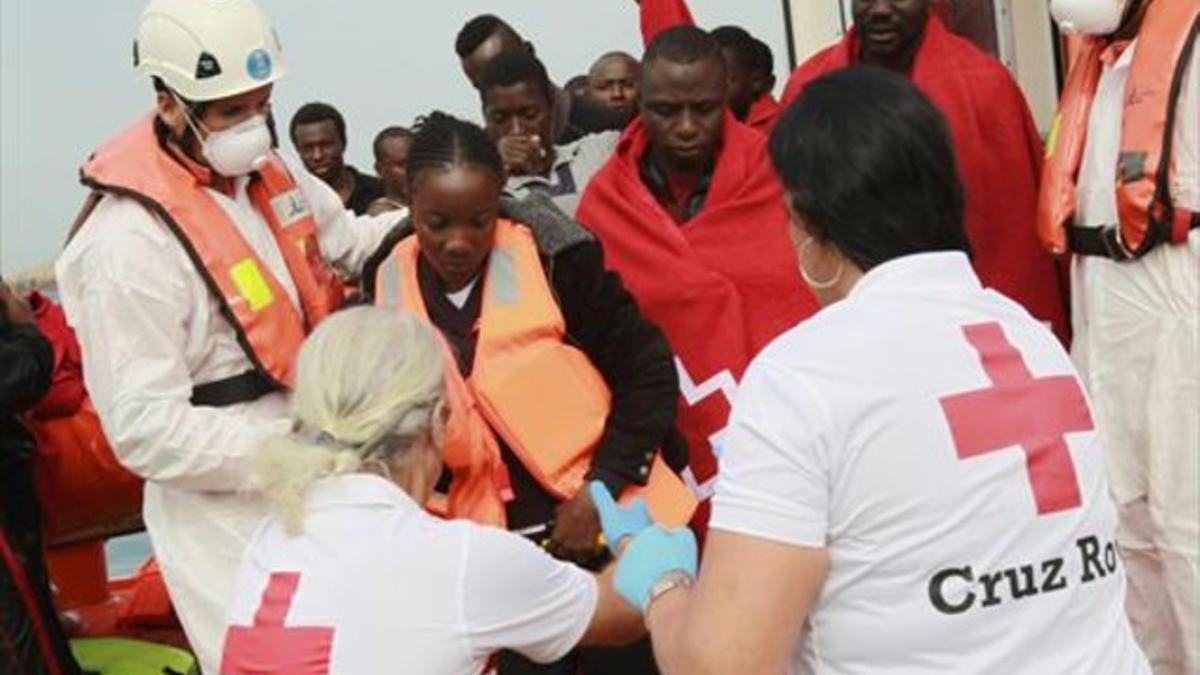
(1019, 409)
(270, 647)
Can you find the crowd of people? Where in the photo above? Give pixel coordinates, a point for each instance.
(831, 346)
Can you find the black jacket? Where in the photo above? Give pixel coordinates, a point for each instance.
(26, 372)
(603, 321)
(26, 369)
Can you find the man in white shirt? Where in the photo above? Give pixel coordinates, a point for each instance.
(191, 283)
(1137, 320)
(518, 116)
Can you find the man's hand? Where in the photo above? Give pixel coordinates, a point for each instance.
(576, 529)
(522, 155)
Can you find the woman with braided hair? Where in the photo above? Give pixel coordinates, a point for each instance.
(349, 574)
(555, 378)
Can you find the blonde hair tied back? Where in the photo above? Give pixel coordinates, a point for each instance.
(368, 385)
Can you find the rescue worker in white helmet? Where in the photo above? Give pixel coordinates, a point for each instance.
(199, 265)
(1121, 192)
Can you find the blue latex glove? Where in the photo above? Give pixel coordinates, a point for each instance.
(651, 554)
(618, 521)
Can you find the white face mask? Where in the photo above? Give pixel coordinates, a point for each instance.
(236, 151)
(1088, 17)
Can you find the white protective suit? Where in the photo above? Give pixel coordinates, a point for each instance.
(150, 330)
(1138, 349)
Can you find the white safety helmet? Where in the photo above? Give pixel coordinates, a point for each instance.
(208, 49)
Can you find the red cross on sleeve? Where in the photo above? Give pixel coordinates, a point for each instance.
(1018, 409)
(268, 646)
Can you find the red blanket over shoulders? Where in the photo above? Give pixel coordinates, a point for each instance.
(763, 113)
(999, 156)
(720, 286)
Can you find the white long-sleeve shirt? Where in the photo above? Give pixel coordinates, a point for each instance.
(150, 331)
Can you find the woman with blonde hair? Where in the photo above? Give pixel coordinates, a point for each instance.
(349, 574)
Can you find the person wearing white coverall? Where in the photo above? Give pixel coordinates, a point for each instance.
(1137, 346)
(150, 328)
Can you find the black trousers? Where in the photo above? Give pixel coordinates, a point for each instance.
(636, 659)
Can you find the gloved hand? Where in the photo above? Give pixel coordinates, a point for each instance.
(651, 554)
(618, 521)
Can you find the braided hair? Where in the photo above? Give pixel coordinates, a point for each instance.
(441, 141)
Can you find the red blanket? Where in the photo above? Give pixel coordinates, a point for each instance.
(999, 157)
(721, 286)
(659, 15)
(763, 113)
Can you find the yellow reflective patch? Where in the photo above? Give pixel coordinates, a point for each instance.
(1052, 138)
(251, 284)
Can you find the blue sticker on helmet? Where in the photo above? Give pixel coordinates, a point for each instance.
(258, 64)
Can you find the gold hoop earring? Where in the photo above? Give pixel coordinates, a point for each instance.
(817, 284)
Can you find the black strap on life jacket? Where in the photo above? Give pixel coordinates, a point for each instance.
(249, 386)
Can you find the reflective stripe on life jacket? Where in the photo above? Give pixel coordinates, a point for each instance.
(1146, 212)
(269, 327)
(542, 396)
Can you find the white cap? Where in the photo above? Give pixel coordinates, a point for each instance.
(208, 49)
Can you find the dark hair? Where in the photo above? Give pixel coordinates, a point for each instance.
(764, 59)
(737, 40)
(681, 44)
(441, 141)
(868, 164)
(195, 108)
(476, 31)
(311, 113)
(389, 132)
(514, 67)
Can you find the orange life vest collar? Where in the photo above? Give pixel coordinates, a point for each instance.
(269, 327)
(1145, 209)
(528, 386)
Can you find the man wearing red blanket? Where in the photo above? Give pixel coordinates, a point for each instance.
(692, 217)
(997, 145)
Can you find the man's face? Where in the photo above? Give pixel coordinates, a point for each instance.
(889, 28)
(320, 148)
(741, 95)
(218, 115)
(614, 82)
(390, 166)
(497, 43)
(683, 108)
(519, 119)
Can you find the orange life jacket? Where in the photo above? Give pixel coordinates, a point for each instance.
(270, 328)
(1146, 212)
(538, 393)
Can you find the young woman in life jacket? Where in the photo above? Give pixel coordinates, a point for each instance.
(557, 379)
(350, 575)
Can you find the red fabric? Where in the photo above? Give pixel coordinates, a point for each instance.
(763, 113)
(720, 286)
(66, 389)
(659, 15)
(270, 646)
(999, 156)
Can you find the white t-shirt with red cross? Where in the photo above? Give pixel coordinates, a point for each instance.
(376, 585)
(935, 440)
